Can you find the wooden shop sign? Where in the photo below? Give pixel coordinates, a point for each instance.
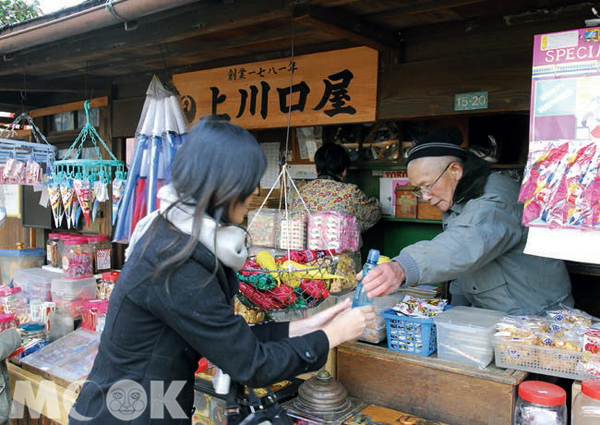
(324, 88)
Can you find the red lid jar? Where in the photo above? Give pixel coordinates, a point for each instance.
(540, 402)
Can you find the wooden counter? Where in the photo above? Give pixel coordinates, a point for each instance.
(41, 400)
(428, 387)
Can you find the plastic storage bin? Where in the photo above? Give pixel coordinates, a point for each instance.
(71, 294)
(69, 359)
(12, 260)
(77, 259)
(409, 334)
(36, 283)
(464, 335)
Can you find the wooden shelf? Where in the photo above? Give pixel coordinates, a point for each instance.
(398, 167)
(411, 220)
(508, 166)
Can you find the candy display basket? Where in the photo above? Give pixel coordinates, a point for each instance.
(546, 360)
(306, 287)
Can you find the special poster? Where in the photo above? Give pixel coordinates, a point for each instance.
(561, 187)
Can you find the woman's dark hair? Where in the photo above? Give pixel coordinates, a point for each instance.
(331, 160)
(218, 163)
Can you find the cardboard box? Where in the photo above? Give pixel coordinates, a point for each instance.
(426, 211)
(406, 201)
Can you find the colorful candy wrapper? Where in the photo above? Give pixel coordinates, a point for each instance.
(33, 172)
(542, 182)
(571, 186)
(82, 189)
(14, 171)
(66, 194)
(118, 187)
(56, 204)
(420, 308)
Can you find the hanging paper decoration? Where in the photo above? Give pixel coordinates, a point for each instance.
(74, 181)
(56, 204)
(83, 192)
(158, 136)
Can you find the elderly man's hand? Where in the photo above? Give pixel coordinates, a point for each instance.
(383, 280)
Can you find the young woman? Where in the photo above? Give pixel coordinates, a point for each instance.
(173, 301)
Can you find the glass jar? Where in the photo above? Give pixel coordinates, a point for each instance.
(52, 249)
(61, 245)
(101, 251)
(586, 408)
(540, 403)
(77, 260)
(106, 284)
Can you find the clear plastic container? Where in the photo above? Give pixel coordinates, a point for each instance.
(36, 283)
(61, 245)
(106, 284)
(52, 257)
(77, 260)
(263, 229)
(94, 314)
(376, 332)
(540, 403)
(13, 301)
(586, 408)
(61, 324)
(71, 294)
(12, 260)
(464, 334)
(101, 252)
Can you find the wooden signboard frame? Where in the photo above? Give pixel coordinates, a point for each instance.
(336, 87)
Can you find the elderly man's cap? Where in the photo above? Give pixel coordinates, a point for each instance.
(441, 142)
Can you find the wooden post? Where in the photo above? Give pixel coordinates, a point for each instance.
(32, 238)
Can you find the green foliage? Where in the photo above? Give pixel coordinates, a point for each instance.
(13, 11)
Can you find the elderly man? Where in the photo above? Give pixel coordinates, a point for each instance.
(481, 247)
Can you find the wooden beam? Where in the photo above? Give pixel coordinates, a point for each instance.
(66, 107)
(191, 21)
(175, 51)
(347, 26)
(414, 8)
(34, 85)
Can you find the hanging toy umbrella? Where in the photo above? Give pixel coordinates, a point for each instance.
(158, 136)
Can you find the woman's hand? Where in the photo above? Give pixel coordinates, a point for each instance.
(319, 320)
(349, 325)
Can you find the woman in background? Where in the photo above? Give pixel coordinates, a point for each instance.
(330, 192)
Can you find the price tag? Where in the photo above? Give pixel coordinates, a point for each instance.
(470, 101)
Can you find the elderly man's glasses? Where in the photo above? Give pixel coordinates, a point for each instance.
(419, 192)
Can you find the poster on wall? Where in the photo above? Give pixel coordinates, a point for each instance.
(561, 186)
(334, 87)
